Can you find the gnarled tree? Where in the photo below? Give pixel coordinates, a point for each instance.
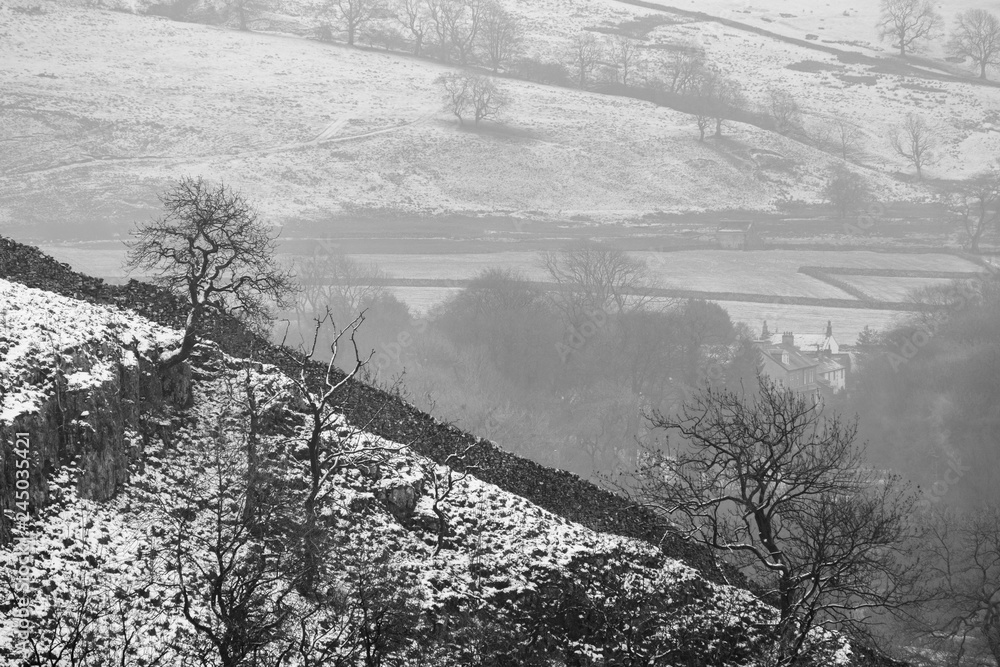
(909, 22)
(212, 247)
(963, 616)
(586, 52)
(351, 15)
(501, 36)
(977, 37)
(977, 204)
(766, 477)
(915, 141)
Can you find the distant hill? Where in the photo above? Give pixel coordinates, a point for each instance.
(314, 130)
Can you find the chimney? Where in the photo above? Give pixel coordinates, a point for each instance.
(787, 339)
(829, 328)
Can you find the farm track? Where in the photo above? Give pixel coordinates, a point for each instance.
(903, 68)
(327, 136)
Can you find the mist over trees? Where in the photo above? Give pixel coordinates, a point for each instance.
(559, 374)
(766, 476)
(925, 392)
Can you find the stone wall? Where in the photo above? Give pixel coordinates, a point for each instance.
(376, 411)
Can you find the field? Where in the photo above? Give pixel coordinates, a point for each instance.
(758, 276)
(890, 289)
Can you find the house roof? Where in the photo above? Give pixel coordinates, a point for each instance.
(810, 342)
(828, 365)
(796, 360)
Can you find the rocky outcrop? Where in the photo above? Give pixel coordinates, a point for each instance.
(88, 406)
(384, 414)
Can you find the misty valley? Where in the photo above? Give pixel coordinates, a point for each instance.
(432, 333)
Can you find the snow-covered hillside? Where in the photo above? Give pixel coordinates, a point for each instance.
(314, 129)
(505, 570)
(871, 98)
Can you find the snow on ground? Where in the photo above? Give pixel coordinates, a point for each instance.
(846, 25)
(310, 129)
(962, 114)
(81, 554)
(39, 329)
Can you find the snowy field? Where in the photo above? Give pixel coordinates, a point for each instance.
(963, 115)
(79, 553)
(312, 129)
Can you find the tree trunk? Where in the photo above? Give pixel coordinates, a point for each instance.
(187, 345)
(982, 75)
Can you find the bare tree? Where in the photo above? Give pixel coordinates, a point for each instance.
(848, 191)
(230, 591)
(728, 95)
(325, 456)
(413, 16)
(704, 91)
(246, 11)
(473, 94)
(339, 282)
(488, 99)
(586, 52)
(462, 21)
(456, 93)
(442, 486)
(685, 64)
(915, 141)
(351, 15)
(784, 110)
(977, 203)
(596, 279)
(212, 247)
(909, 22)
(845, 138)
(624, 54)
(977, 37)
(766, 477)
(715, 98)
(436, 16)
(501, 35)
(963, 618)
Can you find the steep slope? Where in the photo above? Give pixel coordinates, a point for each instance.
(92, 567)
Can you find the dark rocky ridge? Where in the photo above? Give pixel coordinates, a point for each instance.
(377, 411)
(134, 392)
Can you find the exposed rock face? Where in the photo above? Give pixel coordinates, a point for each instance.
(78, 406)
(384, 414)
(401, 501)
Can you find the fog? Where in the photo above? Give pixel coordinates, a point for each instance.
(554, 248)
